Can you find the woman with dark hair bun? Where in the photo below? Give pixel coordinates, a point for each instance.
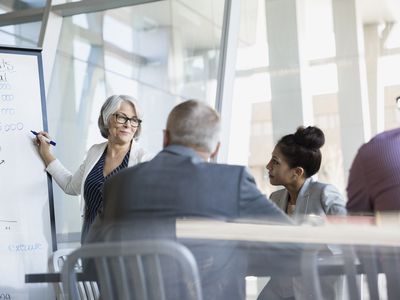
(295, 159)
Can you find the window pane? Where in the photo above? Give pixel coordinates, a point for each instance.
(161, 53)
(26, 33)
(252, 95)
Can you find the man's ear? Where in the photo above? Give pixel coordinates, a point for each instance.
(166, 138)
(215, 152)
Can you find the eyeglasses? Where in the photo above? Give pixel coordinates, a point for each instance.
(122, 119)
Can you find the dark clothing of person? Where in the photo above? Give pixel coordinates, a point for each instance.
(374, 179)
(144, 202)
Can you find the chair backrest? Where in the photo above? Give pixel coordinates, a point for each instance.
(370, 261)
(88, 290)
(55, 265)
(381, 261)
(134, 270)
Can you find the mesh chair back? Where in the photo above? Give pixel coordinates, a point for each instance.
(87, 290)
(140, 269)
(371, 261)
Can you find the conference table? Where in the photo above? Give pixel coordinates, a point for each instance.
(258, 239)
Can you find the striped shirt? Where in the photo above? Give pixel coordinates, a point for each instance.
(93, 190)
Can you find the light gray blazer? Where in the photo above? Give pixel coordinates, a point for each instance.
(319, 199)
(314, 198)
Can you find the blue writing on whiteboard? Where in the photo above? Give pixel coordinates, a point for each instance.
(5, 296)
(9, 127)
(25, 247)
(7, 97)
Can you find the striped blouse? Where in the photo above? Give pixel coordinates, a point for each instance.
(93, 191)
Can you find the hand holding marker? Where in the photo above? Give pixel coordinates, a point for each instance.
(45, 138)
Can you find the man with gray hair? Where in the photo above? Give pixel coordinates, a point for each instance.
(195, 125)
(179, 182)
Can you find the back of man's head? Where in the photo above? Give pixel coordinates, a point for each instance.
(194, 124)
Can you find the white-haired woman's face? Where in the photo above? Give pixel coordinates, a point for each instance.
(123, 124)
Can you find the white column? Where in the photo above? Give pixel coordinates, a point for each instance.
(352, 81)
(372, 44)
(291, 101)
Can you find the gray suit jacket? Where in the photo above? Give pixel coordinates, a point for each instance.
(178, 183)
(314, 198)
(143, 202)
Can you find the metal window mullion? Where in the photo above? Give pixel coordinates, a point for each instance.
(45, 18)
(226, 70)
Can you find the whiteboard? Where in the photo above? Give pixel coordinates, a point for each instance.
(27, 230)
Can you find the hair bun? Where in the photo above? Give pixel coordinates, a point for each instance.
(310, 137)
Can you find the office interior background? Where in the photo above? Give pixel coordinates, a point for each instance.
(268, 66)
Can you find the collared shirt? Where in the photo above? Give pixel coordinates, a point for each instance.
(185, 151)
(374, 179)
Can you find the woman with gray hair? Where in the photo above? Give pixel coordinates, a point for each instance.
(120, 123)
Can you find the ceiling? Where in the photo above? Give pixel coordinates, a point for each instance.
(206, 16)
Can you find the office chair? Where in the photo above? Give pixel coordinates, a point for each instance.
(374, 261)
(138, 269)
(378, 260)
(357, 260)
(88, 290)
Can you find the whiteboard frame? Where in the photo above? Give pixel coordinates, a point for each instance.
(38, 54)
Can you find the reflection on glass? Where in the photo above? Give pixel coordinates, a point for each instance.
(161, 53)
(319, 80)
(16, 5)
(24, 34)
(124, 38)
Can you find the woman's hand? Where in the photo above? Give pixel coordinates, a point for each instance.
(44, 147)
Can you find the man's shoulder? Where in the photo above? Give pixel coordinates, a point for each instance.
(229, 170)
(167, 161)
(227, 166)
(180, 159)
(387, 135)
(386, 141)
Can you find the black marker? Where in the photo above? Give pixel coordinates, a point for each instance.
(45, 138)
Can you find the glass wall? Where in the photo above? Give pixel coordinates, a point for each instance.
(329, 63)
(271, 80)
(290, 71)
(389, 66)
(26, 32)
(161, 53)
(253, 90)
(167, 51)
